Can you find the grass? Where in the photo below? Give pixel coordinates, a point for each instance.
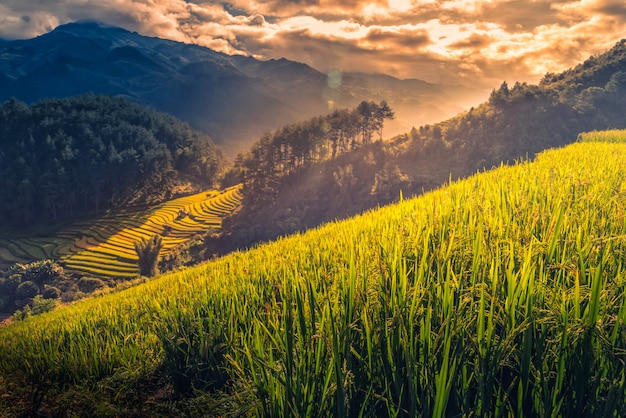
(87, 246)
(499, 295)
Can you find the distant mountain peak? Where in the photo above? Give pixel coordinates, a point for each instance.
(234, 99)
(82, 25)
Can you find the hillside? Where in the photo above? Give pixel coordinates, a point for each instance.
(104, 246)
(233, 99)
(41, 268)
(516, 122)
(65, 158)
(503, 294)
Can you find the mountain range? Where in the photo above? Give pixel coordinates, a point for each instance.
(233, 99)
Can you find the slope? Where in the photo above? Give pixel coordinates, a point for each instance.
(104, 246)
(64, 158)
(501, 294)
(516, 122)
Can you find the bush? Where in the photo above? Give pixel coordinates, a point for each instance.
(185, 254)
(16, 268)
(42, 271)
(51, 292)
(41, 305)
(27, 289)
(90, 284)
(21, 315)
(9, 285)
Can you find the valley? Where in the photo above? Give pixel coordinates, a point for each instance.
(217, 235)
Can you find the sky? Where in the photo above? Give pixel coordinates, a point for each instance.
(473, 42)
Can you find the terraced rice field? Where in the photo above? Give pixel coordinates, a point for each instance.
(105, 246)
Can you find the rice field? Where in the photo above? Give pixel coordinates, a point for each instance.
(104, 246)
(503, 294)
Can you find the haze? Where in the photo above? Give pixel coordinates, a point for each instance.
(481, 43)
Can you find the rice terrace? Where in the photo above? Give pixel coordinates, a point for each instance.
(105, 246)
(503, 294)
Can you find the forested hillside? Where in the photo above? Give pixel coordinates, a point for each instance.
(60, 158)
(516, 122)
(297, 146)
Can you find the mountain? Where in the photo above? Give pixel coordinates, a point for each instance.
(233, 99)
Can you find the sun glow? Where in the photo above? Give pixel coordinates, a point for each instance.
(497, 39)
(401, 5)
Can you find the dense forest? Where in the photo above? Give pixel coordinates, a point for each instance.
(515, 123)
(60, 158)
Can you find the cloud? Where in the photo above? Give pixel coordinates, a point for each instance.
(521, 15)
(586, 10)
(380, 38)
(472, 41)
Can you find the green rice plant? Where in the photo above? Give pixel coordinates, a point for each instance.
(503, 294)
(194, 351)
(610, 135)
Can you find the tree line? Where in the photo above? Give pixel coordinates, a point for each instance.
(64, 157)
(279, 154)
(523, 119)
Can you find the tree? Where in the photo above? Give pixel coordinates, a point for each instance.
(382, 113)
(366, 110)
(148, 251)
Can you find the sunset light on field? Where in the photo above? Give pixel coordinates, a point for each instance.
(467, 41)
(313, 208)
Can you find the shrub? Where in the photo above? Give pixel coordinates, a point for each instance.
(41, 305)
(51, 292)
(9, 285)
(16, 268)
(27, 289)
(185, 254)
(148, 252)
(21, 315)
(90, 284)
(42, 271)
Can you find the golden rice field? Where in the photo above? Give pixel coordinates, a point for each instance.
(500, 295)
(105, 246)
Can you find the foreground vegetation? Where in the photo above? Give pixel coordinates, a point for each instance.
(500, 295)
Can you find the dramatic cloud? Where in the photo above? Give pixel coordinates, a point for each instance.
(453, 41)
